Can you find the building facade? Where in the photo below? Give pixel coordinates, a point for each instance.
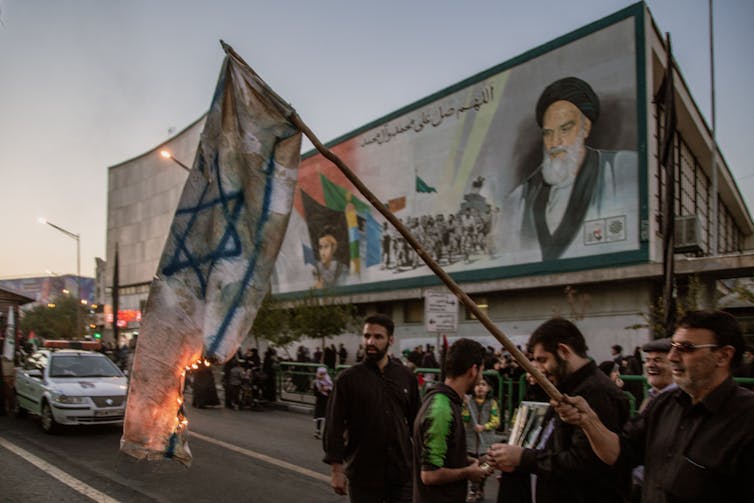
(465, 170)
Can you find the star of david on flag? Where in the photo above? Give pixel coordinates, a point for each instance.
(219, 255)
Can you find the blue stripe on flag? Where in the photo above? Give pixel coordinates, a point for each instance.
(249, 274)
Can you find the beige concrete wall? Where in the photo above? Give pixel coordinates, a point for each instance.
(603, 312)
(143, 194)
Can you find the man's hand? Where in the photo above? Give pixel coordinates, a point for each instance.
(576, 411)
(479, 428)
(338, 482)
(573, 410)
(504, 456)
(475, 473)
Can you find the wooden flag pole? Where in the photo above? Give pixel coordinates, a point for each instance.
(548, 386)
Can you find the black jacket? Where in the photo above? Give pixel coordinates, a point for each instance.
(698, 453)
(368, 424)
(567, 469)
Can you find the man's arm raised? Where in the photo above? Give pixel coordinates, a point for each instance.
(576, 411)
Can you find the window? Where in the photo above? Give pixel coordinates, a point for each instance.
(481, 303)
(413, 311)
(384, 308)
(83, 366)
(361, 311)
(693, 193)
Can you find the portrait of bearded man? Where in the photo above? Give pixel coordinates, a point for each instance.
(580, 200)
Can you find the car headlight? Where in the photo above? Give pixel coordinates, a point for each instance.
(68, 399)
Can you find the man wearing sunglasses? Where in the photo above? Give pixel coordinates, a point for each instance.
(696, 442)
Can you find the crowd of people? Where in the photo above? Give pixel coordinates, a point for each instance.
(331, 356)
(691, 440)
(388, 440)
(248, 381)
(121, 354)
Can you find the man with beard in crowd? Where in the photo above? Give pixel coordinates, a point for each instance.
(574, 185)
(696, 442)
(367, 439)
(561, 466)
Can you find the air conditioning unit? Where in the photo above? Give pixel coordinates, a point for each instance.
(688, 234)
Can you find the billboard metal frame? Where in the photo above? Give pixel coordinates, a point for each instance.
(641, 255)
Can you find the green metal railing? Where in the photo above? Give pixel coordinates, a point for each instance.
(633, 406)
(294, 381)
(744, 381)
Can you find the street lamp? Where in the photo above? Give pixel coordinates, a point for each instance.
(167, 155)
(77, 237)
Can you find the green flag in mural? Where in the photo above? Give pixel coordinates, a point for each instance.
(421, 186)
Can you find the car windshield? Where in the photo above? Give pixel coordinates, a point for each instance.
(83, 366)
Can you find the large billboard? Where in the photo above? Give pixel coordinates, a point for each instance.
(529, 167)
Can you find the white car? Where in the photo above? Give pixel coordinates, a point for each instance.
(70, 387)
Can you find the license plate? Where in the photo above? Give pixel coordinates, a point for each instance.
(107, 413)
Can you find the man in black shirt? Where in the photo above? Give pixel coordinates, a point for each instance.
(696, 442)
(372, 407)
(560, 465)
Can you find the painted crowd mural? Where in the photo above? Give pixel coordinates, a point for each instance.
(535, 163)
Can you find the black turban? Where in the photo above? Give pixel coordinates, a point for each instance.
(570, 89)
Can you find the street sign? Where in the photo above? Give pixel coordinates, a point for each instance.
(441, 312)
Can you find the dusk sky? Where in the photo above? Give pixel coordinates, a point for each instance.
(85, 84)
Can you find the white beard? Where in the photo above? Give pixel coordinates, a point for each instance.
(561, 171)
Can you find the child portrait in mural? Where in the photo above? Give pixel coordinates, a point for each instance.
(328, 257)
(576, 197)
(328, 271)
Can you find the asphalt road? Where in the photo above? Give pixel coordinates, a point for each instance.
(244, 456)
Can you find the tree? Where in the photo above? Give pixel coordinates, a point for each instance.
(56, 320)
(273, 323)
(321, 317)
(744, 292)
(654, 318)
(314, 316)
